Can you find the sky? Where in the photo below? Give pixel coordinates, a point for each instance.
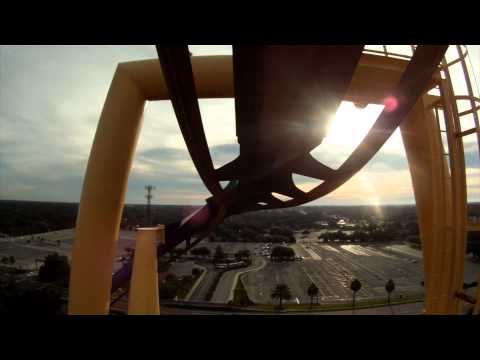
(51, 98)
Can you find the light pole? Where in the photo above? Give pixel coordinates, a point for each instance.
(149, 196)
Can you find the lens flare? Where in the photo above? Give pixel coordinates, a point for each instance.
(391, 103)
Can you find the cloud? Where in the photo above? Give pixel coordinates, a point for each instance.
(373, 187)
(51, 98)
(223, 154)
(164, 153)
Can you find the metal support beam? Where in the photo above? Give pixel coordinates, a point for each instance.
(144, 297)
(103, 194)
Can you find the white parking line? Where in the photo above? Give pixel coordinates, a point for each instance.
(331, 248)
(312, 253)
(355, 249)
(404, 249)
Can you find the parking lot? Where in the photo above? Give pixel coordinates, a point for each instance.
(26, 249)
(332, 267)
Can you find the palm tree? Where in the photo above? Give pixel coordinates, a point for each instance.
(206, 252)
(312, 291)
(355, 286)
(389, 287)
(219, 255)
(281, 292)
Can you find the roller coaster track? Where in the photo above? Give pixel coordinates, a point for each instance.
(284, 96)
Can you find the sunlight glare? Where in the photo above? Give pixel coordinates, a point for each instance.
(351, 124)
(348, 129)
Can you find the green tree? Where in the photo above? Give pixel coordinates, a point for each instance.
(205, 252)
(219, 254)
(201, 251)
(283, 231)
(168, 289)
(55, 268)
(282, 253)
(240, 296)
(238, 255)
(389, 287)
(242, 255)
(31, 302)
(195, 251)
(162, 265)
(11, 260)
(248, 234)
(355, 286)
(176, 252)
(279, 239)
(184, 284)
(281, 292)
(312, 291)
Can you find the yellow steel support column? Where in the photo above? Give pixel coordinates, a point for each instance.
(418, 133)
(106, 178)
(457, 243)
(143, 298)
(439, 200)
(103, 194)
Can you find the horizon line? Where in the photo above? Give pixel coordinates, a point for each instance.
(199, 205)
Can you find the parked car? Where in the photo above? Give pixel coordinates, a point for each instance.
(232, 265)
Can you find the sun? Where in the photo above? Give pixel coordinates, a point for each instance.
(347, 129)
(351, 124)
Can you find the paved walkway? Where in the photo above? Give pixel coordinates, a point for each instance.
(404, 309)
(202, 289)
(225, 287)
(197, 282)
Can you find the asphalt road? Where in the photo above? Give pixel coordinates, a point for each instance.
(26, 252)
(404, 309)
(202, 289)
(227, 282)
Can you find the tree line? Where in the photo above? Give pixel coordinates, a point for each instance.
(282, 292)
